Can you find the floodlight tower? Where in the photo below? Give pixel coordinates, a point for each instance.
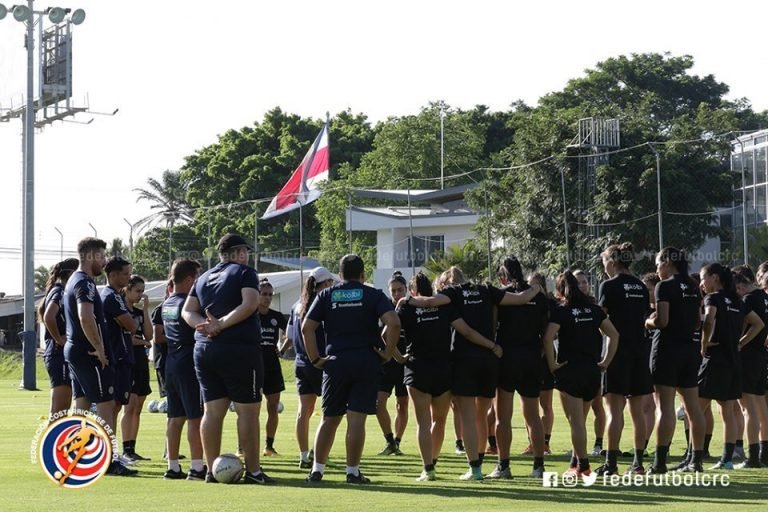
(27, 15)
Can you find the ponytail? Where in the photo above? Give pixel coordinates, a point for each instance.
(568, 287)
(307, 296)
(59, 272)
(725, 276)
(677, 258)
(421, 285)
(621, 254)
(511, 272)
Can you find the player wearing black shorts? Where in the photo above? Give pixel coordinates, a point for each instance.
(754, 360)
(675, 358)
(309, 380)
(87, 349)
(547, 379)
(519, 333)
(350, 312)
(391, 379)
(182, 386)
(721, 340)
(159, 346)
(51, 315)
(271, 322)
(141, 341)
(223, 306)
(476, 365)
(624, 298)
(579, 325)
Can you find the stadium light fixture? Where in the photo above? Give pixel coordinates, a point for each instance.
(21, 13)
(3, 11)
(56, 14)
(78, 16)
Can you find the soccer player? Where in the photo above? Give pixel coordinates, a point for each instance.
(476, 366)
(519, 334)
(142, 341)
(392, 373)
(309, 380)
(272, 322)
(675, 358)
(580, 326)
(86, 350)
(223, 306)
(721, 340)
(754, 359)
(182, 386)
(159, 346)
(51, 314)
(547, 379)
(350, 313)
(624, 298)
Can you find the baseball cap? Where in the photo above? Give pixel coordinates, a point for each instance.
(321, 274)
(230, 241)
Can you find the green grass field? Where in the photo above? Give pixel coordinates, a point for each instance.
(23, 486)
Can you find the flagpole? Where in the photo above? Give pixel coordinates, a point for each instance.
(256, 236)
(301, 244)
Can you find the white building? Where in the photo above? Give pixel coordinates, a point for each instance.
(406, 236)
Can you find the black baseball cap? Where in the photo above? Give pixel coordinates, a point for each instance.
(230, 241)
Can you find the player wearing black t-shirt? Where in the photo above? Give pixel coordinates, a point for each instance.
(624, 298)
(271, 322)
(579, 325)
(476, 365)
(159, 347)
(51, 315)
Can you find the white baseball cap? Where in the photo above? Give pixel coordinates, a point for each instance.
(321, 274)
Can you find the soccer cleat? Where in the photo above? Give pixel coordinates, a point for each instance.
(210, 479)
(597, 450)
(682, 465)
(738, 453)
(427, 476)
(305, 464)
(472, 474)
(357, 479)
(547, 451)
(311, 455)
(314, 477)
(125, 461)
(397, 449)
(528, 450)
(748, 464)
(657, 470)
(170, 474)
(584, 473)
(500, 474)
(134, 456)
(635, 470)
(693, 467)
(727, 466)
(572, 472)
(118, 469)
(198, 475)
(261, 478)
(390, 449)
(538, 472)
(606, 470)
(269, 452)
(460, 448)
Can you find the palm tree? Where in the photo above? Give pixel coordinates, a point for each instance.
(168, 198)
(468, 256)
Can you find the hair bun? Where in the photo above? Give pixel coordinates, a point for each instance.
(397, 273)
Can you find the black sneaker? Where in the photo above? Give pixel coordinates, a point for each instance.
(198, 475)
(137, 457)
(305, 464)
(681, 465)
(606, 470)
(357, 479)
(209, 479)
(118, 469)
(657, 470)
(170, 474)
(260, 478)
(314, 477)
(693, 467)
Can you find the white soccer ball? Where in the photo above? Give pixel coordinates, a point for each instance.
(152, 405)
(681, 413)
(280, 407)
(232, 406)
(162, 407)
(227, 468)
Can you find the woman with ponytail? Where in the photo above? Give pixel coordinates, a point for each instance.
(51, 315)
(579, 325)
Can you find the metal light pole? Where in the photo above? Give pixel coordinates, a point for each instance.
(95, 233)
(61, 243)
(442, 144)
(658, 195)
(130, 236)
(744, 206)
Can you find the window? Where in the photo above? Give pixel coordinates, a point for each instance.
(423, 248)
(760, 203)
(760, 162)
(748, 168)
(750, 204)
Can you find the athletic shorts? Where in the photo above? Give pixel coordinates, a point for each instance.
(58, 369)
(123, 382)
(720, 380)
(273, 377)
(351, 383)
(676, 364)
(580, 380)
(229, 370)
(628, 375)
(89, 379)
(309, 380)
(430, 376)
(520, 370)
(754, 372)
(182, 388)
(140, 372)
(391, 377)
(547, 379)
(475, 376)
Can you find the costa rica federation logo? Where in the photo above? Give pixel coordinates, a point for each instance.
(75, 451)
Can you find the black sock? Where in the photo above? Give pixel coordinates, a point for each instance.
(128, 446)
(584, 464)
(429, 467)
(503, 464)
(397, 441)
(390, 438)
(547, 437)
(754, 453)
(660, 459)
(638, 460)
(698, 456)
(460, 444)
(728, 452)
(764, 452)
(480, 457)
(740, 444)
(612, 457)
(599, 442)
(492, 441)
(538, 462)
(707, 440)
(687, 437)
(475, 463)
(270, 442)
(574, 461)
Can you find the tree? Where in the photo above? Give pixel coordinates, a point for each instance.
(469, 257)
(117, 248)
(150, 254)
(41, 278)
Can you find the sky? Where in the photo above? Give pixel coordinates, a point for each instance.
(182, 72)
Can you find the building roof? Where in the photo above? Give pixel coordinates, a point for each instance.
(417, 196)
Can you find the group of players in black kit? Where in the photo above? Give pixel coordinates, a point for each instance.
(448, 344)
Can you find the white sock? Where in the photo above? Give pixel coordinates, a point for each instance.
(317, 467)
(353, 470)
(305, 456)
(174, 465)
(196, 464)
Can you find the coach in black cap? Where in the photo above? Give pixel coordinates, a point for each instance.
(223, 308)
